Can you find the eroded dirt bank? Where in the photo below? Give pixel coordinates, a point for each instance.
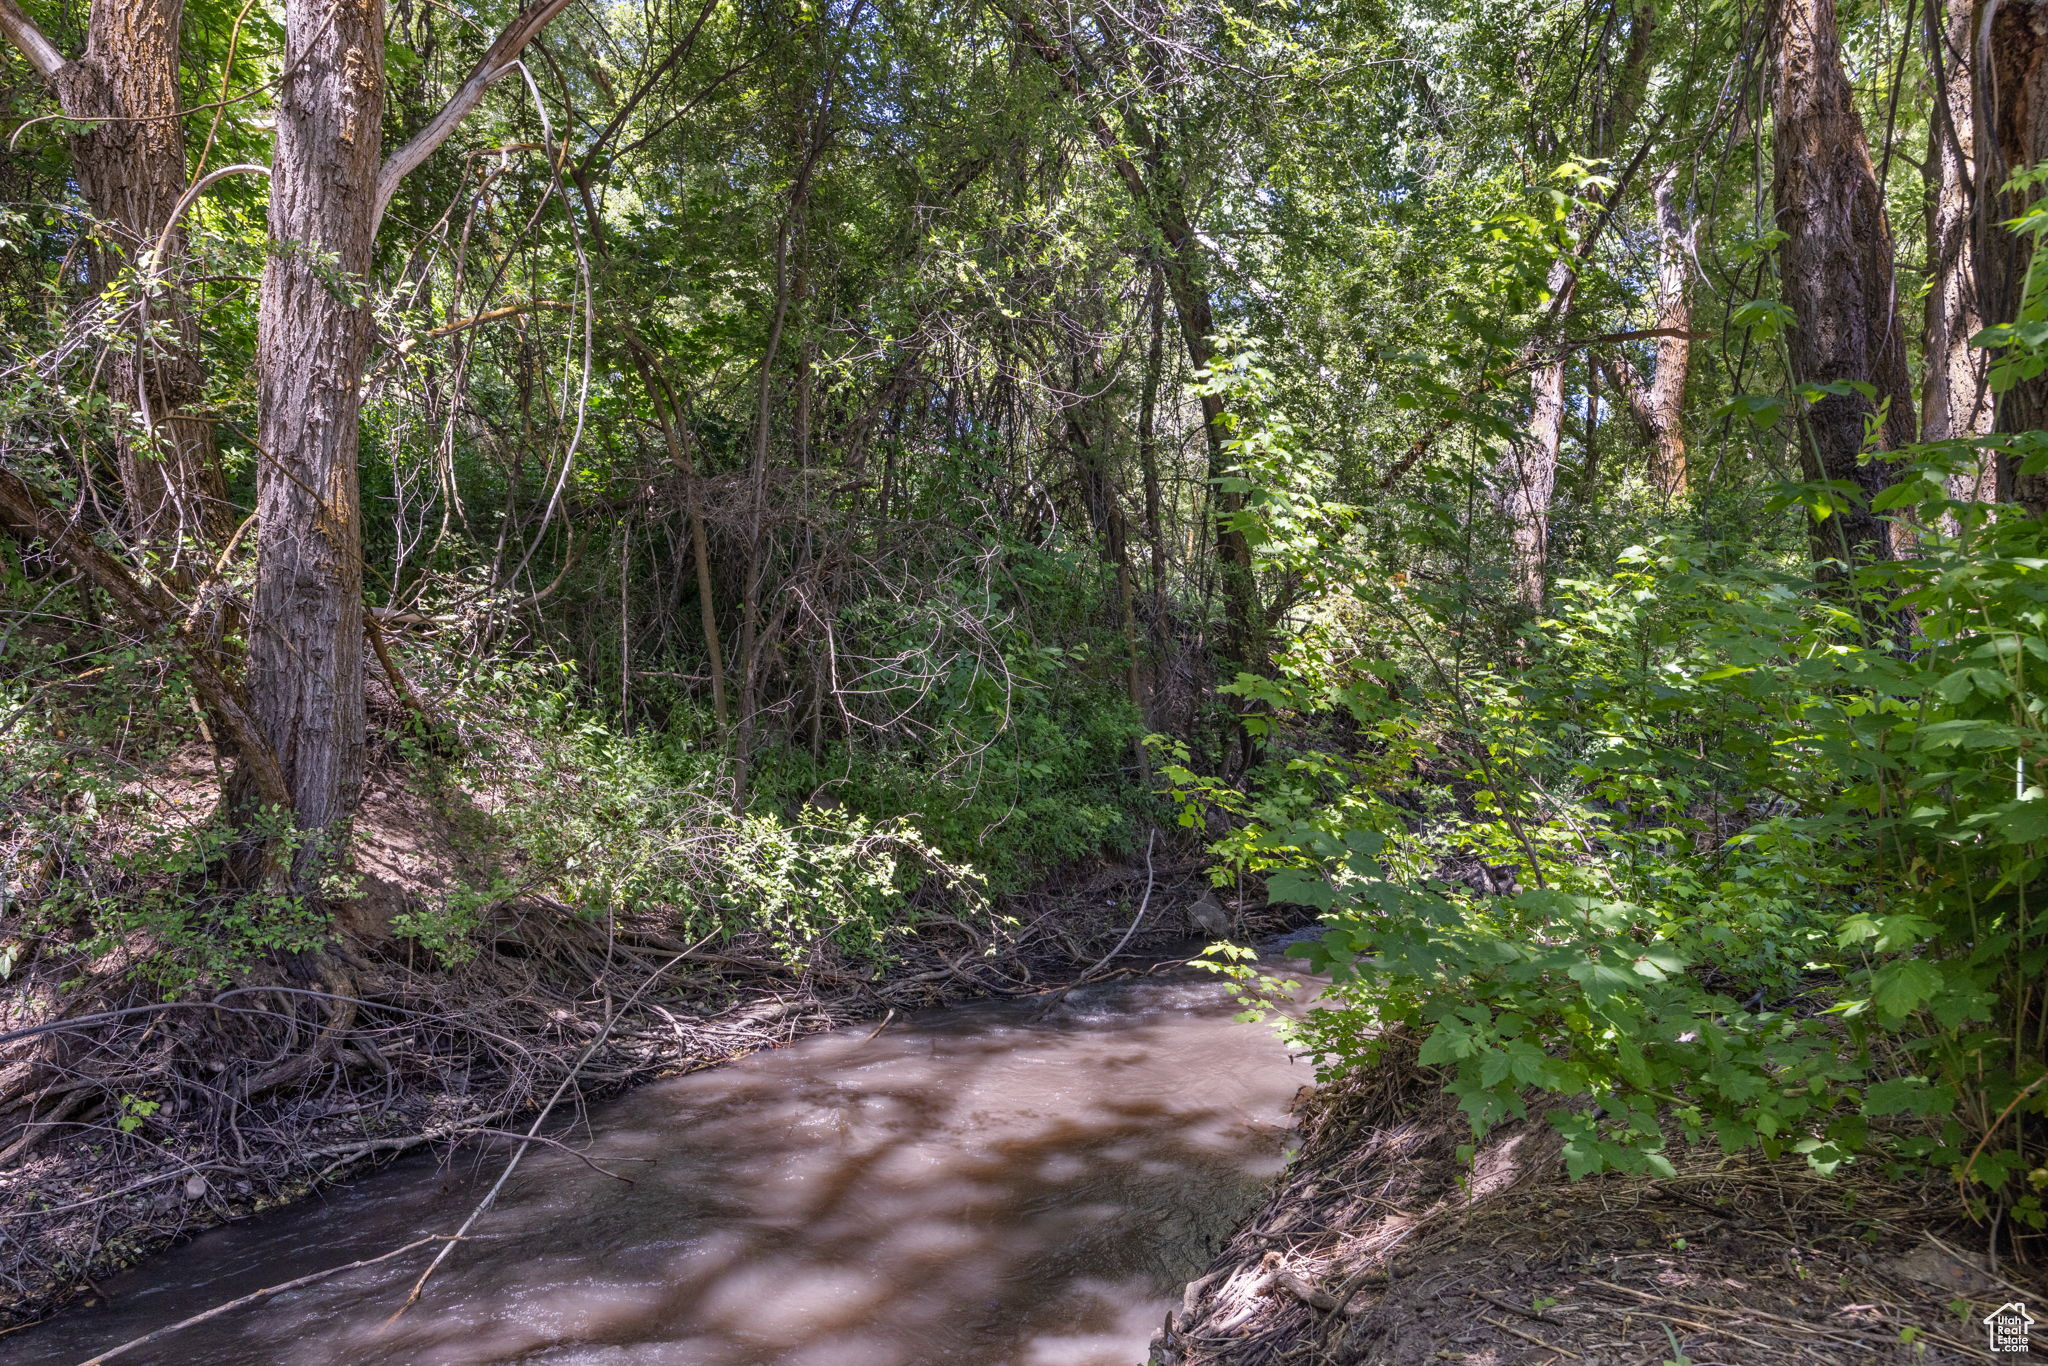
(1380, 1248)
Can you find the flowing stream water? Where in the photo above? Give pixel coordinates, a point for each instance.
(993, 1185)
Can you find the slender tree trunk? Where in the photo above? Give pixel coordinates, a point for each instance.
(1148, 461)
(1528, 474)
(668, 413)
(1527, 477)
(1183, 261)
(313, 332)
(1837, 278)
(2012, 110)
(754, 585)
(1161, 201)
(1664, 409)
(1658, 403)
(1954, 398)
(672, 433)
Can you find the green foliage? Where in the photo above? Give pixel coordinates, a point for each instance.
(1781, 877)
(99, 852)
(605, 824)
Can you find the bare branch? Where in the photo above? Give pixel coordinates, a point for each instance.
(42, 54)
(496, 62)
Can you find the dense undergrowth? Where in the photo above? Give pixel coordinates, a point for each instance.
(1758, 861)
(112, 841)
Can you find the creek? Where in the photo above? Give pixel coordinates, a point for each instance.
(996, 1184)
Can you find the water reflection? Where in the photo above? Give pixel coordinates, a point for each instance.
(973, 1186)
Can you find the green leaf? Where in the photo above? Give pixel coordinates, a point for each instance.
(1759, 410)
(1448, 1043)
(1763, 319)
(1296, 887)
(1904, 1096)
(1903, 986)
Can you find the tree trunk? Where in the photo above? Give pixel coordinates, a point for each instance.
(1658, 403)
(313, 332)
(1954, 399)
(1528, 475)
(1160, 200)
(1836, 271)
(2012, 109)
(1148, 457)
(129, 162)
(1664, 411)
(1526, 479)
(131, 169)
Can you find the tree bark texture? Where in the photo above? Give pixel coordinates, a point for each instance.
(313, 333)
(1658, 403)
(2012, 109)
(1664, 410)
(1836, 272)
(129, 161)
(1955, 401)
(1527, 478)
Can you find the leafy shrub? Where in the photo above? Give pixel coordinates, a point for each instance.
(1781, 871)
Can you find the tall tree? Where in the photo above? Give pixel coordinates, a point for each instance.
(1526, 479)
(1152, 171)
(2012, 108)
(1836, 268)
(1955, 400)
(313, 336)
(128, 156)
(328, 190)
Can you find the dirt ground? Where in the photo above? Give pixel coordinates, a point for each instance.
(1379, 1248)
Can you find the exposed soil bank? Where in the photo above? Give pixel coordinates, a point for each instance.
(1379, 1248)
(423, 1058)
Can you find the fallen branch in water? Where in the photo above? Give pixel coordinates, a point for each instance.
(1143, 902)
(532, 1134)
(264, 1293)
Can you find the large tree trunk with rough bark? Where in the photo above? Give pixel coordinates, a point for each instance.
(306, 619)
(1836, 269)
(1955, 401)
(128, 156)
(131, 168)
(2012, 109)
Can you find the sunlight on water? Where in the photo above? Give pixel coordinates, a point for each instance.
(973, 1186)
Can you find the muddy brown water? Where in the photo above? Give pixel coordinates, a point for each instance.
(981, 1185)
